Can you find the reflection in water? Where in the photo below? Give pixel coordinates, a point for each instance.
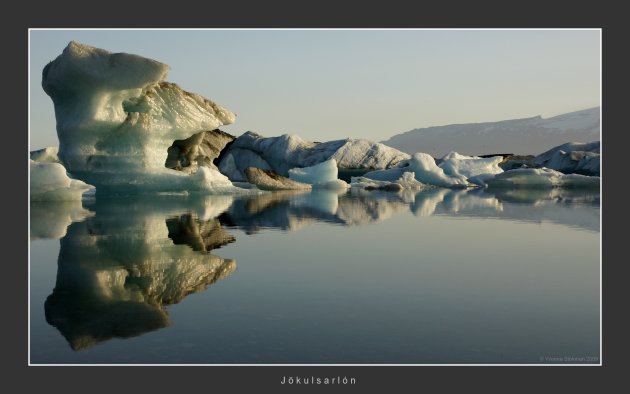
(290, 211)
(199, 235)
(285, 210)
(118, 269)
(563, 207)
(50, 219)
(122, 261)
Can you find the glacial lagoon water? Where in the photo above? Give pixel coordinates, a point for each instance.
(438, 276)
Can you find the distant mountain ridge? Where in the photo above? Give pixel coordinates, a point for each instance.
(519, 136)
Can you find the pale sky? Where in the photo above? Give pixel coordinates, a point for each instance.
(331, 84)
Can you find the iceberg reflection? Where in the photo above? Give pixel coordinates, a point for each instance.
(118, 269)
(50, 219)
(122, 261)
(291, 211)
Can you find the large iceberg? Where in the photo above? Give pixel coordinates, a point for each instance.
(287, 152)
(50, 182)
(117, 117)
(319, 173)
(572, 157)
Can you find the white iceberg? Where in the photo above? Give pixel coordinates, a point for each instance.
(50, 182)
(322, 175)
(475, 169)
(572, 157)
(541, 177)
(425, 170)
(319, 173)
(406, 181)
(286, 152)
(117, 117)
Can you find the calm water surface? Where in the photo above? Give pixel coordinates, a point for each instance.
(438, 276)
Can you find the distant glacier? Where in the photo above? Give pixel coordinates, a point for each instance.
(517, 136)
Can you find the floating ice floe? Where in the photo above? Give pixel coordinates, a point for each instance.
(322, 175)
(572, 157)
(406, 181)
(475, 169)
(117, 117)
(286, 152)
(425, 170)
(541, 177)
(50, 182)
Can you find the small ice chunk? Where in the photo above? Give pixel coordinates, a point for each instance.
(50, 182)
(46, 155)
(406, 181)
(455, 164)
(323, 172)
(336, 184)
